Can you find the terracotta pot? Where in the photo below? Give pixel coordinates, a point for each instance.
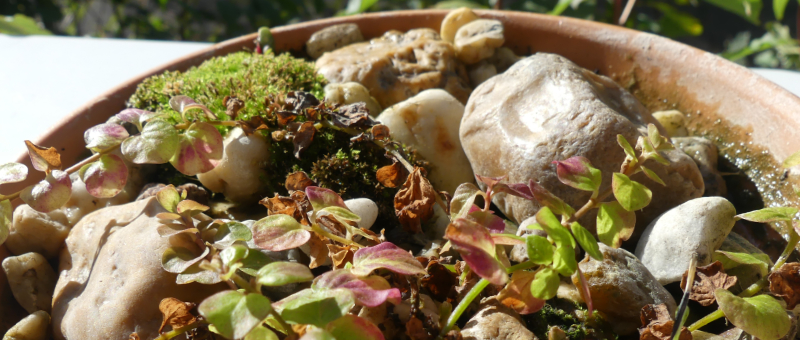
(731, 103)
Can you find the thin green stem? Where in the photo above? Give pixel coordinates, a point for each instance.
(462, 306)
(594, 202)
(289, 331)
(212, 122)
(706, 320)
(176, 332)
(520, 266)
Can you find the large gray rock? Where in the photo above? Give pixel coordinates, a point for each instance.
(111, 280)
(705, 154)
(31, 280)
(620, 286)
(546, 108)
(397, 66)
(494, 321)
(695, 228)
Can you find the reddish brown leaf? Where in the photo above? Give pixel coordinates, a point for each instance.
(176, 313)
(285, 117)
(232, 106)
(708, 279)
(333, 225)
(318, 251)
(439, 281)
(43, 159)
(278, 135)
(282, 205)
(414, 202)
(298, 181)
(415, 330)
(658, 324)
(785, 282)
(340, 256)
(251, 126)
(303, 138)
(300, 100)
(353, 115)
(392, 176)
(380, 132)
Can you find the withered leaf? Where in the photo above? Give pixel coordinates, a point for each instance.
(392, 176)
(251, 126)
(300, 100)
(658, 324)
(353, 115)
(232, 106)
(303, 138)
(453, 335)
(176, 313)
(785, 282)
(439, 281)
(285, 117)
(415, 330)
(708, 279)
(340, 256)
(318, 251)
(43, 159)
(298, 181)
(380, 131)
(303, 205)
(282, 205)
(414, 202)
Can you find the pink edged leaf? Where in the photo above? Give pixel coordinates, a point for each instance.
(494, 223)
(475, 245)
(321, 198)
(279, 232)
(464, 199)
(578, 173)
(315, 306)
(184, 103)
(169, 229)
(137, 116)
(13, 173)
(517, 294)
(5, 219)
(169, 198)
(313, 333)
(546, 198)
(368, 291)
(283, 273)
(105, 177)
(515, 189)
(157, 143)
(42, 158)
(49, 194)
(507, 239)
(490, 182)
(385, 255)
(104, 136)
(199, 149)
(354, 327)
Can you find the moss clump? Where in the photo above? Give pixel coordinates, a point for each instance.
(248, 76)
(560, 313)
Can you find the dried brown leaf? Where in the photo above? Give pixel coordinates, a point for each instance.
(380, 132)
(414, 202)
(340, 256)
(658, 324)
(708, 279)
(298, 181)
(232, 106)
(785, 282)
(415, 329)
(439, 281)
(392, 176)
(654, 313)
(43, 159)
(303, 138)
(353, 115)
(318, 251)
(251, 126)
(282, 205)
(176, 313)
(300, 100)
(333, 225)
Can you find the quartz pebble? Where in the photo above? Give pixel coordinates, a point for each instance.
(364, 208)
(546, 108)
(673, 121)
(33, 231)
(330, 38)
(478, 39)
(494, 321)
(695, 228)
(32, 327)
(351, 93)
(454, 20)
(32, 281)
(620, 286)
(429, 122)
(238, 173)
(705, 155)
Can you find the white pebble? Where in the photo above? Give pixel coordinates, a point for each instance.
(454, 20)
(364, 208)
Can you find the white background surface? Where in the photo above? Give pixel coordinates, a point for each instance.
(43, 78)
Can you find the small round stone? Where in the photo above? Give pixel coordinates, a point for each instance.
(364, 208)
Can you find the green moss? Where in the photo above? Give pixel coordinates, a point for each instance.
(248, 76)
(560, 313)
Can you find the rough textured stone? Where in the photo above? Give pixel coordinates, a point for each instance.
(397, 66)
(697, 227)
(32, 327)
(364, 208)
(494, 321)
(242, 164)
(111, 280)
(33, 231)
(32, 281)
(350, 93)
(546, 108)
(478, 39)
(705, 155)
(333, 37)
(620, 286)
(429, 122)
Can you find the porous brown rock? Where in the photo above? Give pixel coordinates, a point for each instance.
(620, 286)
(494, 321)
(111, 281)
(397, 66)
(546, 108)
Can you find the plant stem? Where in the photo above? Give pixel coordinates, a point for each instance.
(175, 332)
(319, 230)
(520, 266)
(212, 122)
(462, 306)
(685, 300)
(594, 202)
(706, 320)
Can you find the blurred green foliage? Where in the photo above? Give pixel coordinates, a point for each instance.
(708, 24)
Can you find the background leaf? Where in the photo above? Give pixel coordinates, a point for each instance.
(773, 214)
(283, 273)
(761, 316)
(49, 194)
(104, 136)
(105, 177)
(5, 219)
(630, 194)
(279, 232)
(233, 313)
(614, 224)
(315, 306)
(13, 173)
(385, 255)
(353, 327)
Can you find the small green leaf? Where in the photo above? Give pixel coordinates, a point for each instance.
(342, 213)
(540, 250)
(564, 260)
(626, 146)
(196, 274)
(283, 273)
(169, 198)
(354, 327)
(578, 173)
(261, 333)
(545, 285)
(554, 229)
(314, 333)
(233, 313)
(614, 224)
(178, 259)
(794, 159)
(157, 143)
(5, 219)
(761, 316)
(659, 142)
(731, 260)
(279, 232)
(190, 208)
(254, 261)
(587, 241)
(631, 195)
(463, 198)
(652, 175)
(231, 232)
(315, 307)
(233, 254)
(773, 214)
